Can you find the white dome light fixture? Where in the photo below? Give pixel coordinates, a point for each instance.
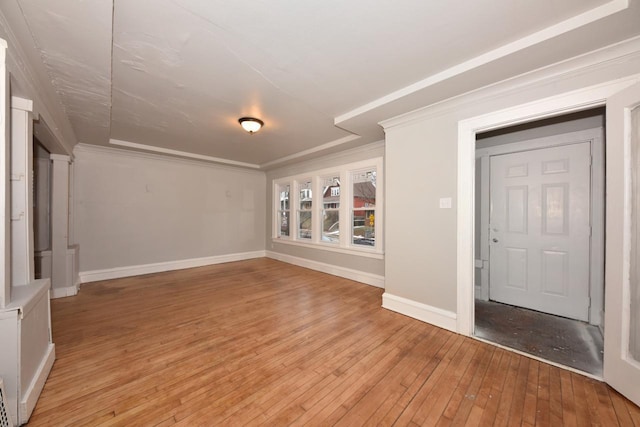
(251, 124)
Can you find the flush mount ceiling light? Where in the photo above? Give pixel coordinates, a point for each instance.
(250, 124)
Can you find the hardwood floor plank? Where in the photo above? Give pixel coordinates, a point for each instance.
(529, 408)
(568, 399)
(508, 390)
(495, 391)
(261, 342)
(516, 409)
(555, 397)
(432, 381)
(583, 416)
(543, 413)
(463, 413)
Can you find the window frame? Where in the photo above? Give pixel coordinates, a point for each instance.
(300, 184)
(345, 209)
(277, 230)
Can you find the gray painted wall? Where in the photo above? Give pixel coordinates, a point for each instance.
(135, 209)
(421, 167)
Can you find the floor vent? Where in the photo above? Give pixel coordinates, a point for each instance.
(5, 421)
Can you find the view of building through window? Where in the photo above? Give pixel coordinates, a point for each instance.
(341, 214)
(305, 201)
(331, 209)
(283, 210)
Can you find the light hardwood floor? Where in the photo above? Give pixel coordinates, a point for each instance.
(263, 342)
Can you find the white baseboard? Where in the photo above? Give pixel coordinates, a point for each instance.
(433, 315)
(68, 291)
(32, 394)
(348, 273)
(136, 270)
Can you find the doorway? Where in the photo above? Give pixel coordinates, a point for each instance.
(42, 210)
(539, 238)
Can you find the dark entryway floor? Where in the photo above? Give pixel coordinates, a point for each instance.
(557, 339)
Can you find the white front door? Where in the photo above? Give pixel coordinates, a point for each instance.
(539, 230)
(622, 263)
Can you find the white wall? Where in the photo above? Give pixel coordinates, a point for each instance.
(421, 167)
(135, 209)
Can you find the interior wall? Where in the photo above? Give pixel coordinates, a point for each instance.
(354, 262)
(422, 167)
(134, 209)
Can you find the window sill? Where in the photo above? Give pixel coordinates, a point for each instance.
(367, 253)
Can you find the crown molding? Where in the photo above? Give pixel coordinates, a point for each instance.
(545, 34)
(623, 55)
(121, 152)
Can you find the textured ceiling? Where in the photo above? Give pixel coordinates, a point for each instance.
(177, 74)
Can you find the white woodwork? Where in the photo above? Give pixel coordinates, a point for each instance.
(22, 254)
(72, 273)
(42, 264)
(136, 270)
(5, 230)
(27, 349)
(584, 98)
(61, 275)
(42, 211)
(621, 370)
(345, 245)
(424, 312)
(540, 230)
(348, 273)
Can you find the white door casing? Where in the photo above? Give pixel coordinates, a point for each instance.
(621, 369)
(539, 231)
(620, 372)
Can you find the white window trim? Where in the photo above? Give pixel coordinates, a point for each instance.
(345, 244)
(276, 200)
(298, 184)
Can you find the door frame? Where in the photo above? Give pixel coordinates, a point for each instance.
(586, 98)
(595, 138)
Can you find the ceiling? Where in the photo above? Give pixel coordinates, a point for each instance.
(174, 76)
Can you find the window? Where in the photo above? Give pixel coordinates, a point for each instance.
(283, 210)
(305, 206)
(344, 216)
(331, 209)
(363, 208)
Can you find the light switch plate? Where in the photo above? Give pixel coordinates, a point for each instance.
(445, 203)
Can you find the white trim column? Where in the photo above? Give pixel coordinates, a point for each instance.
(60, 277)
(5, 230)
(21, 191)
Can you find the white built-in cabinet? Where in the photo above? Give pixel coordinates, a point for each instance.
(27, 352)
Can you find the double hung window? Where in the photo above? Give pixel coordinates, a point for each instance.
(284, 207)
(305, 211)
(335, 209)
